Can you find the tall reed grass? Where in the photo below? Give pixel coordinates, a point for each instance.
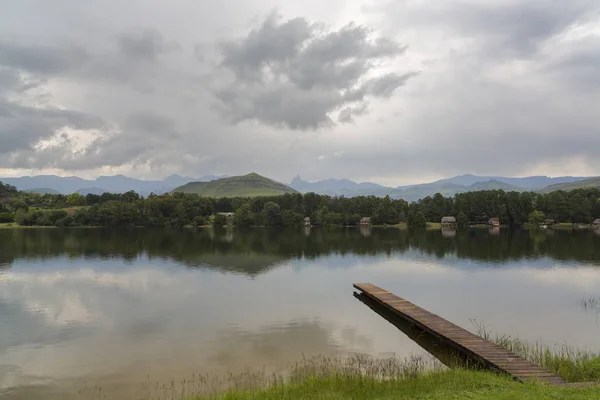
(572, 363)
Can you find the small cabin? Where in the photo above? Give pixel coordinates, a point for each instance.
(448, 221)
(549, 222)
(365, 221)
(306, 221)
(596, 222)
(494, 221)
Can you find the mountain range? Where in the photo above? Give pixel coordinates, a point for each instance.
(253, 185)
(112, 184)
(447, 187)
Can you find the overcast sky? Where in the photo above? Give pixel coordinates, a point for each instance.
(395, 92)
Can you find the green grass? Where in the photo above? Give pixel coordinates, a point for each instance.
(251, 185)
(421, 378)
(455, 384)
(363, 377)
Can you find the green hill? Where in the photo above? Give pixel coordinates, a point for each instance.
(251, 185)
(416, 192)
(584, 184)
(42, 191)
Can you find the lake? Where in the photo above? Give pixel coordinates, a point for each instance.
(84, 311)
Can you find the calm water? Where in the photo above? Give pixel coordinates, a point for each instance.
(125, 309)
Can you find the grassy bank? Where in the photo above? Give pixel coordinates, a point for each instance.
(454, 384)
(363, 377)
(13, 225)
(425, 378)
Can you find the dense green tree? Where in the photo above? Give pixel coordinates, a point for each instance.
(75, 199)
(224, 204)
(220, 220)
(462, 220)
(290, 218)
(7, 191)
(272, 214)
(91, 199)
(536, 217)
(420, 221)
(402, 216)
(416, 220)
(580, 209)
(558, 206)
(243, 216)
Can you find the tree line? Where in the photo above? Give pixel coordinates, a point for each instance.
(178, 209)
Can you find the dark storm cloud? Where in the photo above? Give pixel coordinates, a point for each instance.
(292, 74)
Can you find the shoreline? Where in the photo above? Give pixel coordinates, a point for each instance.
(402, 226)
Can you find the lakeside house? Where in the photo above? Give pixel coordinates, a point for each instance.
(306, 221)
(549, 222)
(446, 221)
(365, 221)
(494, 221)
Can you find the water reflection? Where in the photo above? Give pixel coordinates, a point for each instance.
(114, 307)
(255, 252)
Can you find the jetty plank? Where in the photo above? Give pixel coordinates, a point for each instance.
(468, 344)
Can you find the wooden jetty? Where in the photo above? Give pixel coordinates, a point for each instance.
(467, 344)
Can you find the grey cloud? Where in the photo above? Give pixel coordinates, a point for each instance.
(579, 65)
(22, 127)
(347, 114)
(497, 77)
(505, 29)
(273, 43)
(149, 122)
(279, 105)
(386, 85)
(137, 141)
(9, 79)
(145, 44)
(292, 74)
(41, 59)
